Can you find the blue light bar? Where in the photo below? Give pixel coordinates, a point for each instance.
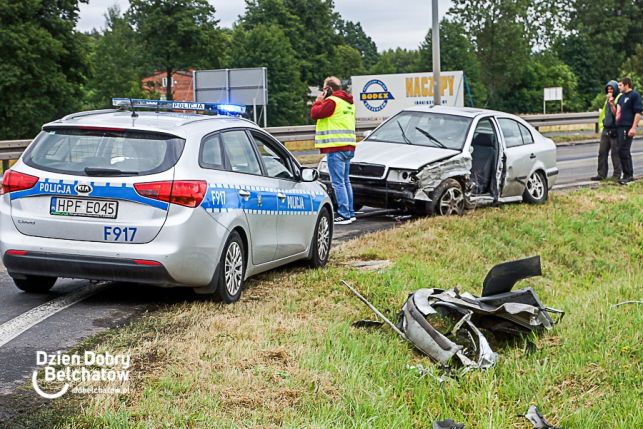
(219, 109)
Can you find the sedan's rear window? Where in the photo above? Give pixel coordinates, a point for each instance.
(96, 152)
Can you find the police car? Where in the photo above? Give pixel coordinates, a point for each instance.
(164, 198)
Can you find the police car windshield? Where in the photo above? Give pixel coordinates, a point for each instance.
(121, 152)
(424, 129)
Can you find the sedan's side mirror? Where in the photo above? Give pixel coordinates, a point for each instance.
(367, 133)
(309, 174)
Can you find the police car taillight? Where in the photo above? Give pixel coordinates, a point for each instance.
(188, 193)
(14, 181)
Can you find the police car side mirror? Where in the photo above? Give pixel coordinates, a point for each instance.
(309, 174)
(368, 133)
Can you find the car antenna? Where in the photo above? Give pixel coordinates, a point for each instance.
(134, 114)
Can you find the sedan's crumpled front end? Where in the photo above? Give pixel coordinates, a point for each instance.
(429, 177)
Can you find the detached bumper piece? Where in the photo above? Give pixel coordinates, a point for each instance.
(86, 267)
(444, 324)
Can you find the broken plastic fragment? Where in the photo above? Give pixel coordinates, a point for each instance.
(537, 419)
(447, 424)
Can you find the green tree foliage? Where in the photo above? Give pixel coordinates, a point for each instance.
(397, 61)
(347, 62)
(354, 36)
(456, 53)
(177, 34)
(42, 64)
(309, 25)
(605, 34)
(266, 45)
(498, 29)
(543, 71)
(117, 63)
(633, 68)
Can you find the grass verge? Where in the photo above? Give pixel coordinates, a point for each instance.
(287, 356)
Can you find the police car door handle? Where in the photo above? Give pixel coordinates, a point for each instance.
(243, 193)
(281, 196)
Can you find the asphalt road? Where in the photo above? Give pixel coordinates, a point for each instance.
(112, 304)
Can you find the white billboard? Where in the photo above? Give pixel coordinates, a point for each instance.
(378, 97)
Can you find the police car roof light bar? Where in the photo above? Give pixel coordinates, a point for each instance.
(217, 108)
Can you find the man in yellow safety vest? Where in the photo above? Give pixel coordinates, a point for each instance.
(335, 136)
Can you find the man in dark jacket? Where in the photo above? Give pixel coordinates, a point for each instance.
(609, 140)
(628, 114)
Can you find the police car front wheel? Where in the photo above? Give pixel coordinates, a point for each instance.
(35, 284)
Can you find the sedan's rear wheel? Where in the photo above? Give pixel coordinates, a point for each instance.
(35, 284)
(448, 198)
(232, 268)
(536, 191)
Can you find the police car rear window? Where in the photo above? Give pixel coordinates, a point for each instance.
(81, 151)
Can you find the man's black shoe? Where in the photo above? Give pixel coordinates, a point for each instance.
(625, 180)
(341, 220)
(597, 178)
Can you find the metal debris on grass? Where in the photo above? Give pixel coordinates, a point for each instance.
(446, 324)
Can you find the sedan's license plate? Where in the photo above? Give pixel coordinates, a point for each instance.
(83, 207)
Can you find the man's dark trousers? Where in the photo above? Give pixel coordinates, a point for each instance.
(624, 146)
(609, 143)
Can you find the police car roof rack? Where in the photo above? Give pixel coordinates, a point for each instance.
(212, 108)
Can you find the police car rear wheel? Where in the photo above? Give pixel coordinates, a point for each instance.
(35, 284)
(321, 239)
(232, 268)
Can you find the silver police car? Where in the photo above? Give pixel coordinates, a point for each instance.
(164, 198)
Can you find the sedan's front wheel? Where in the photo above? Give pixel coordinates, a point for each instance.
(448, 198)
(536, 190)
(232, 268)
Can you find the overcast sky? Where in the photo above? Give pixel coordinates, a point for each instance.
(390, 23)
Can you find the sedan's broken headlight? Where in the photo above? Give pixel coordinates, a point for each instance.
(400, 176)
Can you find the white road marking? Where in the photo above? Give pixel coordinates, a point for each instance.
(18, 325)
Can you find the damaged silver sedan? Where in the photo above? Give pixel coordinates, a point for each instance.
(442, 160)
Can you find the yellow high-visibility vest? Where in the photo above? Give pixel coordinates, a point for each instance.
(339, 128)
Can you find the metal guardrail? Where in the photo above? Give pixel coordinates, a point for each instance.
(12, 149)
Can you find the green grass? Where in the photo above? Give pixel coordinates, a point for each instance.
(287, 355)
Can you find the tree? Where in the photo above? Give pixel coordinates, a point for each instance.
(266, 45)
(117, 63)
(348, 62)
(42, 63)
(605, 34)
(543, 71)
(177, 34)
(456, 53)
(397, 61)
(309, 26)
(354, 36)
(499, 30)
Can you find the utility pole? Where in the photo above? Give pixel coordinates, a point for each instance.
(435, 34)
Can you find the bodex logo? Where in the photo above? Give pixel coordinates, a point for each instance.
(89, 372)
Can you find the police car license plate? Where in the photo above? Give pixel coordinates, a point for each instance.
(83, 207)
